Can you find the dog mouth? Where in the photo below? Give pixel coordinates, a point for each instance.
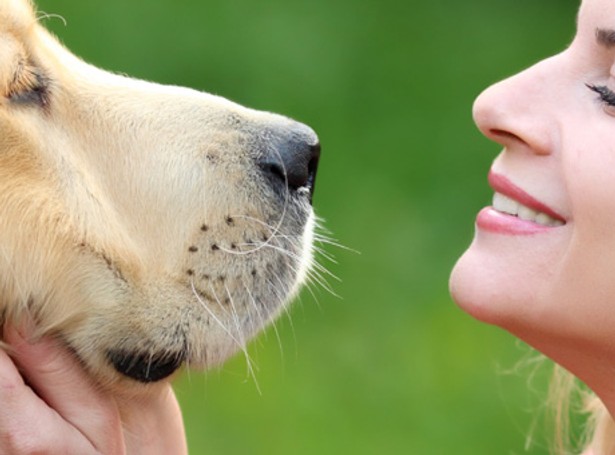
(235, 281)
(145, 367)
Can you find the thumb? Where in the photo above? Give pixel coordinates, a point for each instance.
(59, 379)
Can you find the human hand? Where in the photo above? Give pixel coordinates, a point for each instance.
(49, 405)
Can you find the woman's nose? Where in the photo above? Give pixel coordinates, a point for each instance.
(520, 111)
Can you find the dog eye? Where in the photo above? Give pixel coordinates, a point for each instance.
(36, 95)
(29, 87)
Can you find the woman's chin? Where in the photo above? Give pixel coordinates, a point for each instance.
(483, 286)
(468, 291)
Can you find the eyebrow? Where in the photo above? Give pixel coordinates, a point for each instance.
(605, 37)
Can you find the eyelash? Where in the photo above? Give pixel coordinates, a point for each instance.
(35, 95)
(32, 87)
(606, 95)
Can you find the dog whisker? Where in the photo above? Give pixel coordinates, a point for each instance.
(275, 229)
(263, 321)
(149, 364)
(214, 317)
(320, 238)
(284, 308)
(279, 293)
(43, 16)
(308, 286)
(240, 341)
(324, 254)
(249, 361)
(316, 271)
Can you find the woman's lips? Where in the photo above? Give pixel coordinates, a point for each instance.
(514, 211)
(504, 186)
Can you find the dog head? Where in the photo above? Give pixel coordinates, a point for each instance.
(146, 225)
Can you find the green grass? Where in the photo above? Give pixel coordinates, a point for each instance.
(391, 367)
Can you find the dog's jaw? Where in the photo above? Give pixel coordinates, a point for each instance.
(199, 320)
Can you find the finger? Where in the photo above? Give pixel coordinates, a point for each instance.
(9, 375)
(153, 422)
(61, 382)
(27, 424)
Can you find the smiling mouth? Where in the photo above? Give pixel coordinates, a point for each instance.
(511, 200)
(509, 206)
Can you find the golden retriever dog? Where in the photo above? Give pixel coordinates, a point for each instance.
(146, 226)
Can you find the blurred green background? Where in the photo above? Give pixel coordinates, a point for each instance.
(392, 366)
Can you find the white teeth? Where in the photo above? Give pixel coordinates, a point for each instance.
(505, 204)
(546, 220)
(526, 213)
(509, 206)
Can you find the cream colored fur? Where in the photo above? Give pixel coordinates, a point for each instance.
(132, 215)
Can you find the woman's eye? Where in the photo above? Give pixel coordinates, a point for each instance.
(605, 94)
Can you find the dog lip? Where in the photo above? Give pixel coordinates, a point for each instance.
(144, 367)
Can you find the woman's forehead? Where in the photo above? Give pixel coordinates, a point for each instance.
(596, 14)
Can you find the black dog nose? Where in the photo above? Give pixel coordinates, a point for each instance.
(296, 164)
(292, 157)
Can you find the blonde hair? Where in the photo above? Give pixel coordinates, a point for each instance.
(603, 429)
(598, 436)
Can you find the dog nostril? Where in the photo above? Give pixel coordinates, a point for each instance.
(313, 167)
(295, 165)
(144, 367)
(275, 169)
(293, 162)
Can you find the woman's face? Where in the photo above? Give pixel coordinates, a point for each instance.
(542, 263)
